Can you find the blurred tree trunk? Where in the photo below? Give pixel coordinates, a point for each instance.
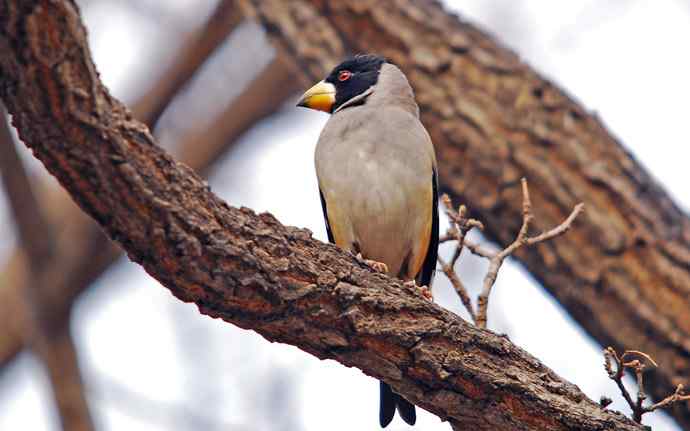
(249, 269)
(624, 273)
(49, 338)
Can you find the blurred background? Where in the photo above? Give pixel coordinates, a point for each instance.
(151, 362)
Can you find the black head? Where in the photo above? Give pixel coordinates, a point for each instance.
(346, 81)
(354, 76)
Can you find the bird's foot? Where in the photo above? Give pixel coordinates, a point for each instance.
(376, 266)
(424, 290)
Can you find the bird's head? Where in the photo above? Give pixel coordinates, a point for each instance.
(349, 83)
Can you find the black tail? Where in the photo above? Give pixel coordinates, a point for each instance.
(406, 410)
(389, 400)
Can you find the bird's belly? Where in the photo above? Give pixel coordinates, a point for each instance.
(384, 212)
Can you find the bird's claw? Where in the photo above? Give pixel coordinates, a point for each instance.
(376, 266)
(424, 290)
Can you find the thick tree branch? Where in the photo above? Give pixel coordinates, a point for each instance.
(624, 275)
(84, 253)
(249, 269)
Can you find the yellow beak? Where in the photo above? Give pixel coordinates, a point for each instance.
(320, 97)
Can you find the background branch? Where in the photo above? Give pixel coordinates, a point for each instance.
(46, 333)
(34, 229)
(194, 52)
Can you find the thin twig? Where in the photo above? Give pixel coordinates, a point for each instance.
(478, 250)
(459, 287)
(610, 357)
(522, 239)
(678, 396)
(461, 225)
(638, 353)
(638, 367)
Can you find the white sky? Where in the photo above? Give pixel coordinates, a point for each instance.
(628, 62)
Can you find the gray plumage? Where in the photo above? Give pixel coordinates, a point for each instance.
(376, 169)
(375, 164)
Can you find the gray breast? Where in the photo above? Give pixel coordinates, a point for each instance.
(374, 165)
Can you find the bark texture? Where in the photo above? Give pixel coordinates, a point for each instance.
(624, 272)
(249, 269)
(83, 253)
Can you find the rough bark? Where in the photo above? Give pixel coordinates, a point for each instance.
(249, 269)
(624, 273)
(83, 252)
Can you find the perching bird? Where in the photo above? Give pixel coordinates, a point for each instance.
(376, 170)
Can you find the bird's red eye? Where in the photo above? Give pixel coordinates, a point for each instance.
(344, 75)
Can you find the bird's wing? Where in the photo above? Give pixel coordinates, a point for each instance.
(426, 274)
(325, 218)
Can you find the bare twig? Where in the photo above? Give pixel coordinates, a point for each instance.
(460, 225)
(459, 287)
(638, 367)
(678, 396)
(522, 239)
(611, 357)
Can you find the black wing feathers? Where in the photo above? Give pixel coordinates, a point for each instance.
(426, 275)
(406, 410)
(325, 218)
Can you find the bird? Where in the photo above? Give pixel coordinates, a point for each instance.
(377, 177)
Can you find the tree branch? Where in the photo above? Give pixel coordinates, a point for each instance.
(264, 96)
(249, 269)
(84, 253)
(194, 52)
